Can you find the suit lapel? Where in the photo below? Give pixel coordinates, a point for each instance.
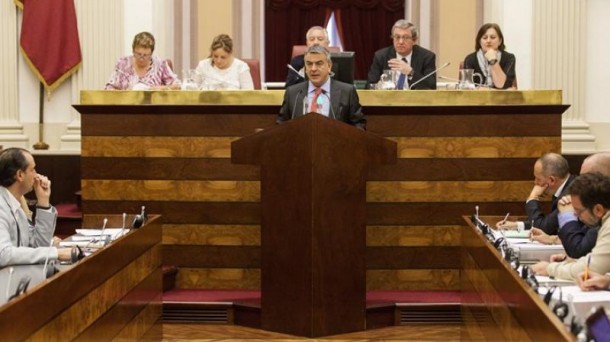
(335, 99)
(302, 88)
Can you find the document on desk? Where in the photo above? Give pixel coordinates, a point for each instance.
(550, 281)
(98, 232)
(524, 234)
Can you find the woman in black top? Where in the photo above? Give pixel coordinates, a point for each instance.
(490, 60)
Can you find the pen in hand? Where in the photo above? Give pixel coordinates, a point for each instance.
(586, 276)
(505, 218)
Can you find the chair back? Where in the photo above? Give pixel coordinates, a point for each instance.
(255, 71)
(300, 50)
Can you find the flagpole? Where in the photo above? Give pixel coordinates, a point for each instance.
(41, 145)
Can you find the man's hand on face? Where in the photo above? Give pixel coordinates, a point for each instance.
(538, 191)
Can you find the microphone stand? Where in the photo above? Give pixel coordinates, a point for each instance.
(428, 75)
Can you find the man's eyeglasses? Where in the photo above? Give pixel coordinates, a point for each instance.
(403, 38)
(142, 55)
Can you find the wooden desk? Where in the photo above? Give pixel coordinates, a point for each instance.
(456, 149)
(496, 303)
(114, 293)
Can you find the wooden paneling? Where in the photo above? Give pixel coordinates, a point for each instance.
(491, 290)
(418, 236)
(231, 191)
(143, 298)
(410, 279)
(170, 151)
(90, 294)
(219, 278)
(212, 235)
(160, 147)
(171, 190)
(96, 303)
(479, 147)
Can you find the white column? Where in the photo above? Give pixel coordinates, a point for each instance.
(560, 62)
(100, 29)
(550, 43)
(11, 130)
(597, 72)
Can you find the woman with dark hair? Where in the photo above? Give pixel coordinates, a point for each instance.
(142, 70)
(490, 60)
(223, 71)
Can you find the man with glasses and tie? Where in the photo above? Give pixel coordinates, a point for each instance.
(21, 242)
(410, 60)
(321, 93)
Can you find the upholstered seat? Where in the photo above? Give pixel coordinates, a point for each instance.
(300, 50)
(255, 71)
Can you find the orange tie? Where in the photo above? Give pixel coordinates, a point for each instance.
(314, 103)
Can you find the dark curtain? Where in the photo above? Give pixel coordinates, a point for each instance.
(364, 26)
(286, 23)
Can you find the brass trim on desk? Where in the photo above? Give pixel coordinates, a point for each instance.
(391, 98)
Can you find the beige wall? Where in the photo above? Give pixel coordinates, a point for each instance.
(214, 17)
(455, 25)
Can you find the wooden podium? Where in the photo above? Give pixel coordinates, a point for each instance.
(313, 203)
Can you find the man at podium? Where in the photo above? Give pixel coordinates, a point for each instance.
(322, 94)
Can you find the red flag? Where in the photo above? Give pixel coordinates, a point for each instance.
(49, 39)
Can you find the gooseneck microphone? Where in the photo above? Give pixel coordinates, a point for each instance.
(296, 100)
(103, 238)
(122, 231)
(430, 74)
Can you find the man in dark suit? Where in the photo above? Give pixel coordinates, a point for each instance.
(316, 35)
(321, 93)
(551, 177)
(577, 239)
(413, 61)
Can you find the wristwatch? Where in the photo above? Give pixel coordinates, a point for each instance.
(493, 61)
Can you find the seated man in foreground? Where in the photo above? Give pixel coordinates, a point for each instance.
(551, 177)
(590, 195)
(21, 243)
(577, 239)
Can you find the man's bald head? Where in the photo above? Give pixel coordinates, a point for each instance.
(598, 162)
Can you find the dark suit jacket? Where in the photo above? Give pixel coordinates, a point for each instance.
(345, 104)
(423, 62)
(298, 62)
(548, 223)
(507, 63)
(577, 239)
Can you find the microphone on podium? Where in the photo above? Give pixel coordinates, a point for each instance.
(430, 74)
(103, 238)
